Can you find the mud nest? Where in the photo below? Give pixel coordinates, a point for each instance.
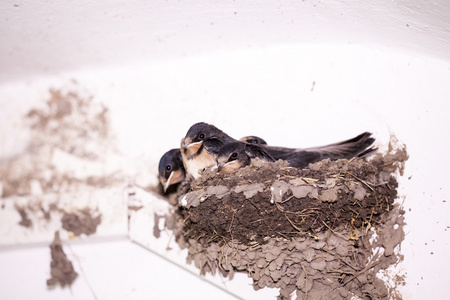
(322, 232)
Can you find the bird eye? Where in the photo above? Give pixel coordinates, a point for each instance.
(168, 168)
(234, 155)
(201, 136)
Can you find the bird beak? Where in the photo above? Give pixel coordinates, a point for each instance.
(220, 166)
(174, 178)
(164, 182)
(167, 184)
(183, 142)
(192, 148)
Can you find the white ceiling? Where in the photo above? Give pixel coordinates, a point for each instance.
(48, 37)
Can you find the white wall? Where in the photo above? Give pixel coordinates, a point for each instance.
(47, 37)
(297, 74)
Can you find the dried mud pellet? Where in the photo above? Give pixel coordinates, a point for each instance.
(206, 269)
(263, 281)
(275, 251)
(286, 292)
(330, 195)
(212, 255)
(285, 279)
(311, 271)
(300, 192)
(227, 265)
(304, 283)
(318, 245)
(251, 255)
(294, 270)
(261, 262)
(309, 254)
(343, 292)
(332, 242)
(342, 250)
(362, 278)
(300, 245)
(242, 247)
(290, 246)
(276, 275)
(333, 265)
(243, 262)
(272, 266)
(283, 269)
(269, 256)
(280, 259)
(297, 257)
(293, 281)
(327, 281)
(328, 256)
(219, 191)
(318, 264)
(256, 274)
(314, 193)
(231, 274)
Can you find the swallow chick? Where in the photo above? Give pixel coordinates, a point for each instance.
(171, 167)
(200, 147)
(236, 155)
(251, 139)
(171, 170)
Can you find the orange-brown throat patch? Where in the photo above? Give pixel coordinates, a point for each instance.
(230, 167)
(201, 161)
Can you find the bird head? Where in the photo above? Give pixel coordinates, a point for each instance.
(171, 170)
(232, 157)
(198, 134)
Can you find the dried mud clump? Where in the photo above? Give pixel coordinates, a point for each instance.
(81, 222)
(25, 220)
(71, 150)
(61, 267)
(69, 129)
(323, 232)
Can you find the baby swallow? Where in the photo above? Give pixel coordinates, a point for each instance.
(236, 155)
(171, 169)
(200, 146)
